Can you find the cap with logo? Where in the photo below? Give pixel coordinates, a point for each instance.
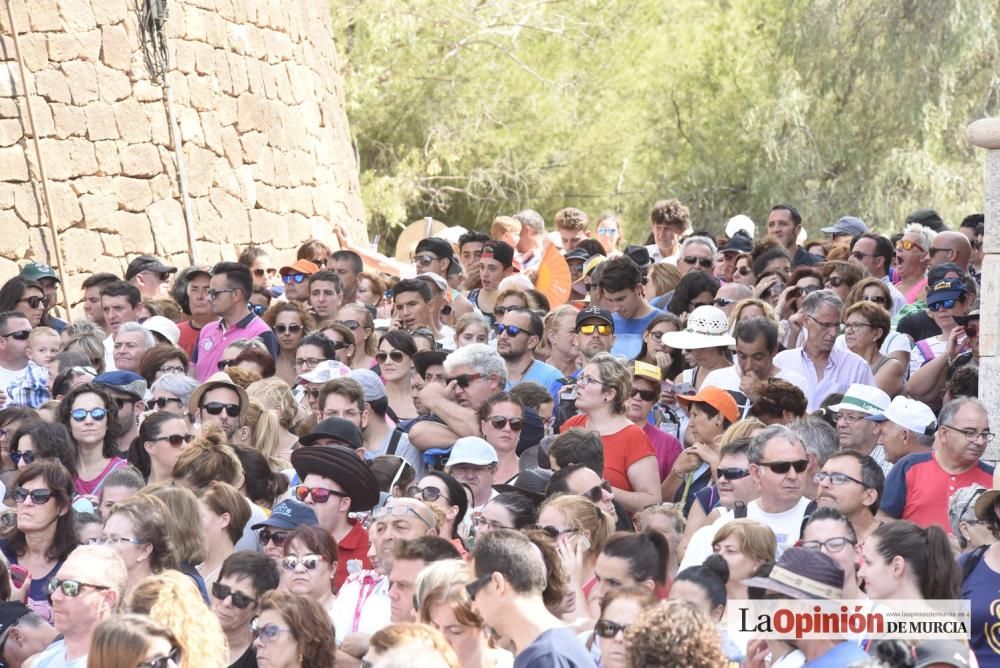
(945, 289)
(472, 450)
(594, 313)
(36, 271)
(802, 573)
(907, 413)
(147, 263)
(125, 382)
(864, 399)
(287, 515)
(501, 251)
(848, 225)
(299, 267)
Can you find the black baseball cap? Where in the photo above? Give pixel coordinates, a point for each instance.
(594, 313)
(439, 247)
(147, 263)
(501, 251)
(337, 429)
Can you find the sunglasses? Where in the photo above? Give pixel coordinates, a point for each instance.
(705, 262)
(213, 294)
(878, 300)
(216, 408)
(607, 230)
(721, 302)
(256, 309)
(161, 403)
(351, 324)
(287, 329)
(463, 380)
(732, 473)
(512, 330)
(424, 260)
(312, 394)
(172, 659)
(476, 586)
(175, 439)
(222, 365)
(308, 561)
(554, 533)
(222, 592)
(971, 331)
(396, 356)
(38, 496)
(35, 302)
(976, 245)
(17, 456)
(744, 270)
(946, 304)
(426, 494)
(70, 588)
(800, 465)
(259, 273)
(645, 395)
(288, 278)
(80, 414)
(499, 422)
(318, 494)
(277, 537)
(603, 330)
(20, 335)
(906, 244)
(605, 628)
(596, 493)
(835, 281)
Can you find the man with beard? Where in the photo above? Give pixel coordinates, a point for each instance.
(518, 334)
(852, 483)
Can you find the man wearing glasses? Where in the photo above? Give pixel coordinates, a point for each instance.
(919, 485)
(854, 431)
(150, 275)
(875, 253)
(22, 382)
(778, 462)
(852, 483)
(219, 401)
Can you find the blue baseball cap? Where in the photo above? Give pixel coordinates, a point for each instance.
(948, 288)
(125, 382)
(287, 515)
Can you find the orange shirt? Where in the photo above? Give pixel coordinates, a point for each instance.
(621, 450)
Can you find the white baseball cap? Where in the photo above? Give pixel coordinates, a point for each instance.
(908, 414)
(472, 450)
(165, 327)
(865, 399)
(324, 371)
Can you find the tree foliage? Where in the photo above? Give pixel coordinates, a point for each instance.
(466, 109)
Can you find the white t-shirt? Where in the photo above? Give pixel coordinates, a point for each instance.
(937, 345)
(10, 378)
(729, 379)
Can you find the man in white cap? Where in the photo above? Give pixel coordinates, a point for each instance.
(474, 461)
(312, 381)
(905, 428)
(853, 430)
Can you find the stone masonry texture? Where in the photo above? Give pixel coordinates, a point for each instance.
(260, 106)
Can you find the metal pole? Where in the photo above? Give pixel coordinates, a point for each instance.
(47, 200)
(182, 185)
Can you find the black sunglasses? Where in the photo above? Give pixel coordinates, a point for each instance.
(800, 465)
(17, 456)
(426, 494)
(161, 403)
(216, 408)
(172, 659)
(35, 302)
(499, 422)
(38, 496)
(732, 473)
(477, 585)
(289, 329)
(645, 395)
(606, 628)
(277, 537)
(463, 380)
(222, 592)
(596, 493)
(705, 262)
(20, 335)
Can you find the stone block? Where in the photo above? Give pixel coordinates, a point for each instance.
(190, 126)
(80, 248)
(9, 108)
(140, 160)
(223, 76)
(70, 121)
(14, 240)
(167, 218)
(113, 84)
(248, 113)
(200, 168)
(133, 194)
(204, 58)
(210, 225)
(255, 75)
(160, 129)
(98, 210)
(82, 157)
(161, 186)
(253, 143)
(231, 146)
(13, 164)
(147, 91)
(183, 57)
(44, 122)
(34, 49)
(7, 191)
(194, 25)
(211, 128)
(11, 132)
(101, 123)
(116, 51)
(107, 158)
(66, 209)
(238, 74)
(248, 188)
(64, 47)
(44, 16)
(52, 86)
(107, 12)
(300, 200)
(27, 203)
(113, 245)
(204, 92)
(231, 210)
(82, 80)
(78, 15)
(225, 110)
(132, 121)
(263, 225)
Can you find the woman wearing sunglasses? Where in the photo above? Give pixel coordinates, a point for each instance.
(39, 441)
(646, 392)
(866, 326)
(840, 277)
(28, 297)
(911, 261)
(442, 490)
(44, 534)
(290, 322)
(293, 632)
(945, 300)
(92, 419)
(359, 321)
(137, 529)
(619, 610)
(162, 437)
(395, 358)
(804, 281)
(343, 340)
(133, 641)
(501, 419)
(308, 564)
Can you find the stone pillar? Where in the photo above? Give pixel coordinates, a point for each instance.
(985, 133)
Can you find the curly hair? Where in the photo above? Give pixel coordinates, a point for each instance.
(774, 397)
(271, 315)
(670, 212)
(674, 633)
(614, 375)
(172, 599)
(310, 626)
(571, 219)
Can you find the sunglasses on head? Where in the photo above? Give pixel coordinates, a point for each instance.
(603, 330)
(396, 356)
(259, 273)
(256, 309)
(70, 588)
(216, 408)
(705, 262)
(172, 659)
(426, 494)
(309, 561)
(38, 496)
(35, 302)
(17, 456)
(20, 335)
(499, 422)
(596, 493)
(222, 592)
(645, 395)
(317, 494)
(277, 537)
(288, 278)
(160, 403)
(800, 465)
(463, 380)
(606, 628)
(732, 473)
(287, 329)
(80, 414)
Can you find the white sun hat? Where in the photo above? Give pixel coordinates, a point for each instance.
(707, 327)
(864, 399)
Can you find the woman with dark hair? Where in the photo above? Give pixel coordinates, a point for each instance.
(290, 322)
(654, 351)
(163, 359)
(501, 418)
(257, 360)
(343, 340)
(24, 296)
(829, 531)
(902, 560)
(704, 585)
(442, 490)
(312, 350)
(619, 610)
(43, 440)
(92, 419)
(309, 565)
(395, 358)
(840, 277)
(506, 510)
(261, 484)
(804, 281)
(293, 631)
(161, 438)
(44, 534)
(866, 326)
(261, 267)
(12, 418)
(980, 570)
(632, 559)
(696, 288)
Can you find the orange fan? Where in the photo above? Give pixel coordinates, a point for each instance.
(553, 278)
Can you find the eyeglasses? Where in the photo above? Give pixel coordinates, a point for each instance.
(835, 478)
(596, 493)
(175, 439)
(213, 294)
(584, 380)
(114, 540)
(605, 628)
(463, 380)
(479, 522)
(38, 496)
(34, 302)
(732, 473)
(705, 262)
(945, 304)
(851, 326)
(849, 418)
(259, 273)
(164, 661)
(554, 533)
(395, 355)
(277, 537)
(426, 494)
(161, 403)
(80, 414)
(499, 422)
(972, 434)
(935, 249)
(268, 632)
(317, 494)
(17, 456)
(877, 299)
(781, 468)
(832, 545)
(20, 335)
(860, 257)
(178, 369)
(308, 362)
(351, 324)
(424, 260)
(645, 395)
(476, 586)
(906, 244)
(309, 561)
(287, 329)
(288, 278)
(835, 281)
(603, 330)
(607, 231)
(721, 302)
(398, 511)
(216, 408)
(512, 330)
(71, 588)
(825, 325)
(222, 365)
(971, 331)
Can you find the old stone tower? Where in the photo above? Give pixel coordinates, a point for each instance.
(258, 102)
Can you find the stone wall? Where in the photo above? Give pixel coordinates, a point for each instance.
(259, 102)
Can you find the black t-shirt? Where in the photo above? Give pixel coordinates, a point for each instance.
(248, 660)
(918, 326)
(555, 648)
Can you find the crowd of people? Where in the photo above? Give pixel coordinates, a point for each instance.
(348, 460)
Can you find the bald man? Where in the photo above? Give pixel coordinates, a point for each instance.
(950, 247)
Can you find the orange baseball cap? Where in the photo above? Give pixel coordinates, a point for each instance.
(715, 397)
(300, 267)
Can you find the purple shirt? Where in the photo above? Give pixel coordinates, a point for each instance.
(666, 447)
(842, 369)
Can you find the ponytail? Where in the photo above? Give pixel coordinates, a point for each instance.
(647, 554)
(928, 554)
(711, 576)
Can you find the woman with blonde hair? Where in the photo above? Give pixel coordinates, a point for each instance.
(359, 320)
(185, 527)
(258, 429)
(138, 530)
(745, 545)
(663, 278)
(371, 292)
(224, 513)
(745, 309)
(90, 345)
(134, 641)
(404, 639)
(275, 395)
(442, 602)
(171, 599)
(294, 632)
(342, 338)
(559, 345)
(472, 328)
(604, 389)
(666, 519)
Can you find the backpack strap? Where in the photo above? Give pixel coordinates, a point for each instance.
(972, 561)
(397, 435)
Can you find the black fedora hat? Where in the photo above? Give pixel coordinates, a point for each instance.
(343, 466)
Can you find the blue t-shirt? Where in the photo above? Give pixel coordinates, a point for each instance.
(628, 333)
(545, 375)
(839, 656)
(555, 648)
(38, 592)
(981, 588)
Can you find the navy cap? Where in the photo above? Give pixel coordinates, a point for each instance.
(740, 242)
(125, 382)
(639, 255)
(10, 613)
(287, 515)
(949, 288)
(577, 254)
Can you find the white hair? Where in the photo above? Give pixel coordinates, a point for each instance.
(704, 241)
(923, 233)
(480, 357)
(147, 336)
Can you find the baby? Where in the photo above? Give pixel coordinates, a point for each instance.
(43, 344)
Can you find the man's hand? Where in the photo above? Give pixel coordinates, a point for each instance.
(355, 644)
(436, 392)
(750, 384)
